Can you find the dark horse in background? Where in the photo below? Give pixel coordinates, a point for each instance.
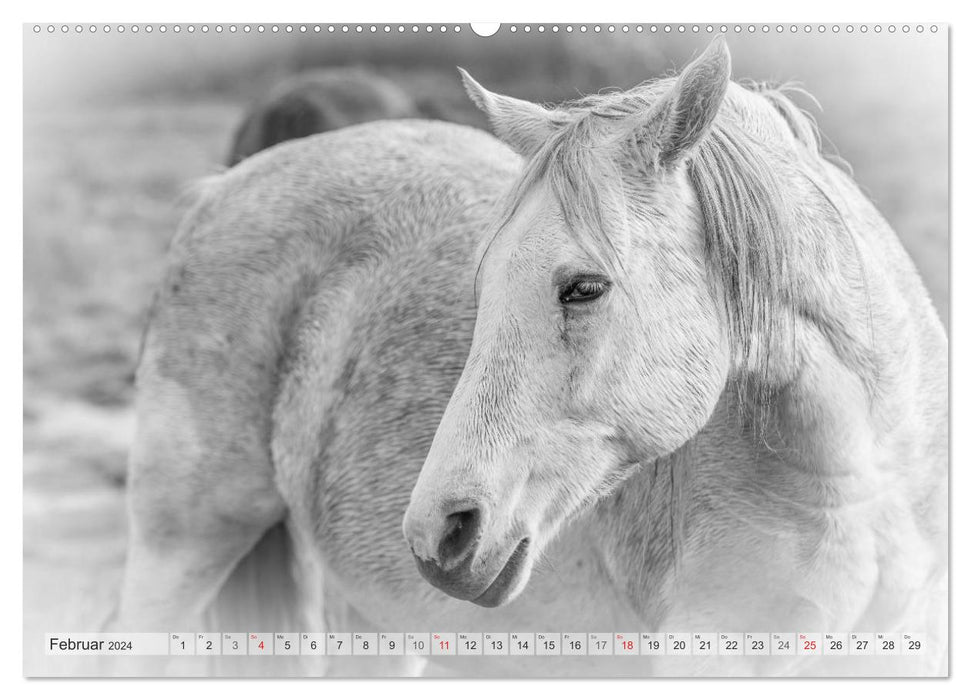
(325, 99)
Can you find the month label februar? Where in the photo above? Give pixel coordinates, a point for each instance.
(107, 644)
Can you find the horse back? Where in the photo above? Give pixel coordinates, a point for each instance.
(314, 316)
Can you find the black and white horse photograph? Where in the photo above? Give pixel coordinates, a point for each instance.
(570, 329)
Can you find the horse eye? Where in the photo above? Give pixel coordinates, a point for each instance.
(583, 289)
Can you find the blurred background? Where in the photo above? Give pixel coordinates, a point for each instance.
(117, 126)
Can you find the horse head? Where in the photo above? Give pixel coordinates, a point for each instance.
(601, 340)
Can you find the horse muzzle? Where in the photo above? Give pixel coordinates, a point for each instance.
(477, 581)
(449, 555)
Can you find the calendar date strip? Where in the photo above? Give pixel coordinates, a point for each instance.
(487, 644)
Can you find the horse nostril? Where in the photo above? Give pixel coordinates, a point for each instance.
(460, 535)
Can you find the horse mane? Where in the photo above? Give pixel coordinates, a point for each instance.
(746, 219)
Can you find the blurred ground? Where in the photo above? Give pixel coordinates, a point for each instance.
(116, 128)
(101, 193)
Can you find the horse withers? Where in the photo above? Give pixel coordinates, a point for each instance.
(647, 361)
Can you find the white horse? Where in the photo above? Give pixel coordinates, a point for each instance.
(699, 386)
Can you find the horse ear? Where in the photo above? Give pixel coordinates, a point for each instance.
(521, 125)
(683, 116)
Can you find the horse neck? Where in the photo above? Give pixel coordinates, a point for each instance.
(864, 359)
(857, 392)
(643, 529)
